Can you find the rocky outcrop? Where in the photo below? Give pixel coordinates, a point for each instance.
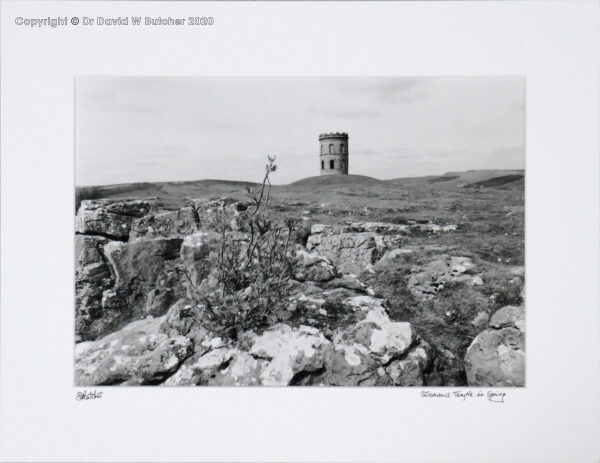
(126, 256)
(173, 350)
(168, 224)
(141, 264)
(210, 211)
(496, 357)
(356, 246)
(109, 218)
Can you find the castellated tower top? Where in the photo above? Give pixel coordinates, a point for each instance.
(333, 153)
(333, 135)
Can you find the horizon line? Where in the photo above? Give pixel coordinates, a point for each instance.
(279, 184)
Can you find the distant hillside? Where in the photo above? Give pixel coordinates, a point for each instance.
(498, 181)
(481, 178)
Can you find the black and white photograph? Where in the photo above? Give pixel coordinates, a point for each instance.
(392, 206)
(300, 231)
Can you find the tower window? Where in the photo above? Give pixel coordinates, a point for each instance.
(342, 148)
(331, 149)
(322, 165)
(332, 163)
(322, 149)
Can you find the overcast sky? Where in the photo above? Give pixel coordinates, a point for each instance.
(133, 129)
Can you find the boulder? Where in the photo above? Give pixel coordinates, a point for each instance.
(138, 354)
(496, 357)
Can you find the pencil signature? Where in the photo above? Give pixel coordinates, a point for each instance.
(85, 395)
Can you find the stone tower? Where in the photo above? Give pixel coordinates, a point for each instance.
(333, 153)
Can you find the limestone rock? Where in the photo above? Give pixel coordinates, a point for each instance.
(355, 246)
(481, 319)
(496, 357)
(204, 368)
(290, 351)
(180, 317)
(92, 279)
(351, 252)
(244, 370)
(375, 351)
(377, 227)
(138, 354)
(351, 365)
(210, 210)
(168, 288)
(134, 269)
(509, 316)
(408, 371)
(383, 337)
(109, 218)
(140, 260)
(310, 266)
(276, 358)
(165, 224)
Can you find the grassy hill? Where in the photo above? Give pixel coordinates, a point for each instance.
(348, 191)
(337, 180)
